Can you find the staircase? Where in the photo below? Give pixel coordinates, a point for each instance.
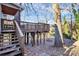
(10, 46)
(9, 50)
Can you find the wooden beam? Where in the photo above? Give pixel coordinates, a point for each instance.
(0, 17)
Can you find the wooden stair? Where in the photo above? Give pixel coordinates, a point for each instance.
(10, 50)
(13, 49)
(15, 53)
(15, 45)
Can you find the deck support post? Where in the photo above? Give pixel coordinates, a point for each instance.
(43, 37)
(40, 37)
(46, 35)
(27, 38)
(33, 38)
(37, 38)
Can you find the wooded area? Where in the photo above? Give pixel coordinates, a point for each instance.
(46, 29)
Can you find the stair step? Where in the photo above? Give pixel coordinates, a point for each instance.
(15, 53)
(16, 44)
(7, 51)
(8, 46)
(4, 47)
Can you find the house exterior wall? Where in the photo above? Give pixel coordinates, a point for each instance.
(13, 6)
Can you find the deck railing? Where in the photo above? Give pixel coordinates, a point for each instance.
(34, 27)
(25, 26)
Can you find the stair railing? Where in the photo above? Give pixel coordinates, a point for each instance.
(20, 37)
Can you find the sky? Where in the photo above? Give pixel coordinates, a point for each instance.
(40, 12)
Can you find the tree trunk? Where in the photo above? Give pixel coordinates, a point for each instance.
(58, 28)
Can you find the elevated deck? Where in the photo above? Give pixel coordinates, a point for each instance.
(8, 25)
(14, 34)
(34, 27)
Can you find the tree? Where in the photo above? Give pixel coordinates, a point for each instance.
(58, 28)
(66, 28)
(76, 24)
(74, 49)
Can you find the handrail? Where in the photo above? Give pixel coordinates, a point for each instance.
(20, 37)
(18, 29)
(31, 22)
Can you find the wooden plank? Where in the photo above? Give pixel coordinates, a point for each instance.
(7, 50)
(8, 46)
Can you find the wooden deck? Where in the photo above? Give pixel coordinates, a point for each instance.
(34, 27)
(8, 25)
(15, 33)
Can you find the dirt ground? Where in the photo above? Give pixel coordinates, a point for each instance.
(47, 49)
